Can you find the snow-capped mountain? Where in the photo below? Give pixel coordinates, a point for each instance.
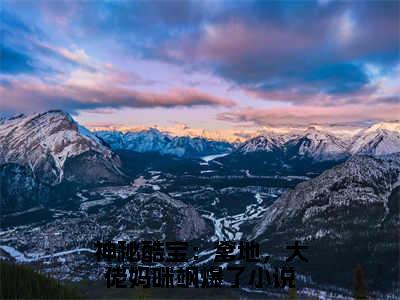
(379, 139)
(56, 148)
(314, 144)
(38, 152)
(265, 143)
(152, 140)
(322, 145)
(317, 145)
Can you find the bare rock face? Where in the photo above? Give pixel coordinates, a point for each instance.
(347, 215)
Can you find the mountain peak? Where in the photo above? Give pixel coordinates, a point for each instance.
(388, 125)
(379, 139)
(265, 142)
(45, 141)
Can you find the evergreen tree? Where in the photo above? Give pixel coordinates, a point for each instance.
(360, 288)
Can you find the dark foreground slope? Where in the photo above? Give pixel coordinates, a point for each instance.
(348, 215)
(21, 282)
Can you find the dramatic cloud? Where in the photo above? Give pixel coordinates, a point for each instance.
(326, 56)
(74, 95)
(318, 50)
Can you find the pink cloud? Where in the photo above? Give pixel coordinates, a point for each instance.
(232, 41)
(20, 95)
(310, 114)
(305, 95)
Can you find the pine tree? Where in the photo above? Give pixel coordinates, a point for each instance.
(360, 288)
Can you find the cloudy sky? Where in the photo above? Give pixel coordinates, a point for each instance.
(208, 64)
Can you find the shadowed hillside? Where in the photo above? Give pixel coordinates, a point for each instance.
(22, 282)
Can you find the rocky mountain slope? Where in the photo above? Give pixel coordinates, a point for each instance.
(348, 215)
(267, 143)
(39, 151)
(48, 144)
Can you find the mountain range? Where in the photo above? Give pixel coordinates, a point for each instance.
(74, 186)
(316, 143)
(44, 150)
(152, 140)
(310, 151)
(378, 139)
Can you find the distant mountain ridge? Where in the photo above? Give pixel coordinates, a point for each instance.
(347, 213)
(315, 143)
(153, 140)
(46, 141)
(379, 139)
(43, 150)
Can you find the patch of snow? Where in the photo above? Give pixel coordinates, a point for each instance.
(209, 158)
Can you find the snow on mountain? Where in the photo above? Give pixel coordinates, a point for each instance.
(44, 142)
(379, 139)
(230, 135)
(391, 126)
(152, 140)
(312, 143)
(321, 144)
(262, 143)
(196, 147)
